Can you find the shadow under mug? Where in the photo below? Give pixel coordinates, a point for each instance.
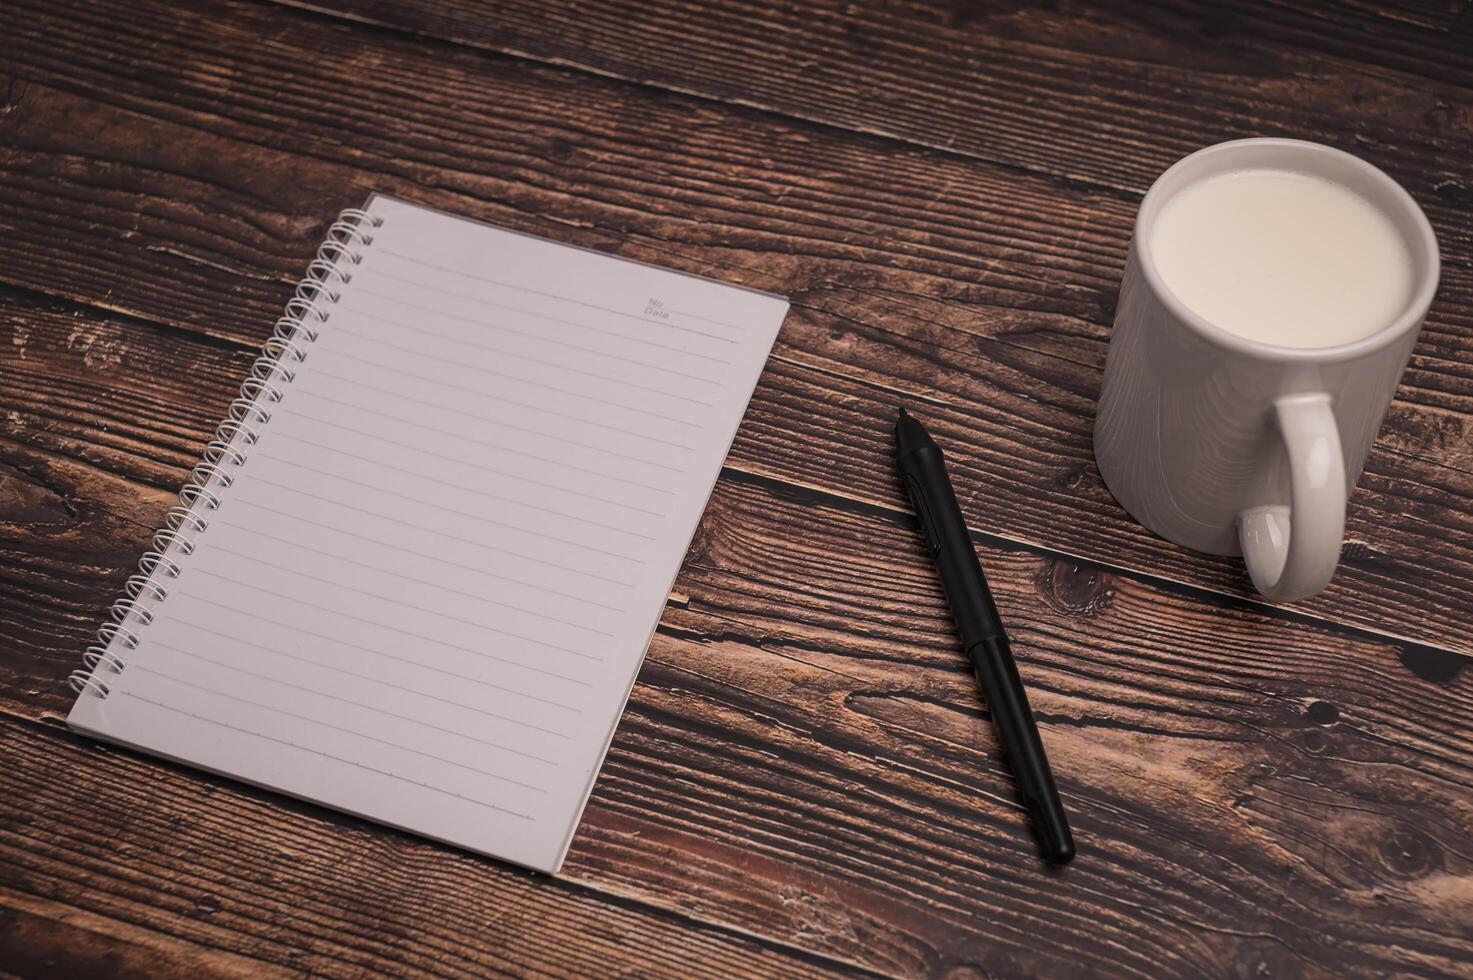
(1231, 446)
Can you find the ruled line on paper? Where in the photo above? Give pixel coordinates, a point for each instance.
(483, 324)
(704, 319)
(357, 704)
(481, 394)
(478, 491)
(144, 668)
(326, 755)
(278, 513)
(542, 338)
(420, 352)
(429, 556)
(523, 380)
(378, 270)
(587, 328)
(588, 447)
(257, 532)
(387, 626)
(256, 645)
(481, 682)
(479, 442)
(462, 461)
(432, 505)
(216, 546)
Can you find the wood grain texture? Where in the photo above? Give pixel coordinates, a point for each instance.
(980, 294)
(804, 758)
(804, 781)
(149, 848)
(48, 938)
(1103, 94)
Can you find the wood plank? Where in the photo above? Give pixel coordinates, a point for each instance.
(1107, 93)
(46, 938)
(804, 757)
(143, 847)
(194, 203)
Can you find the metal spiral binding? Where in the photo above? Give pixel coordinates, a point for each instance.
(270, 373)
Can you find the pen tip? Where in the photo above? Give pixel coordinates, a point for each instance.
(909, 433)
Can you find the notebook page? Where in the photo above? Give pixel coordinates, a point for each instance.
(427, 592)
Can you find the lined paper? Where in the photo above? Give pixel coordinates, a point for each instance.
(426, 593)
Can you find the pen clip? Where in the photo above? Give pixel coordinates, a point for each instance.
(923, 514)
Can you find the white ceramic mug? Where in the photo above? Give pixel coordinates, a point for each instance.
(1231, 446)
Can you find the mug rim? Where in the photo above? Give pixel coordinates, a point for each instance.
(1410, 317)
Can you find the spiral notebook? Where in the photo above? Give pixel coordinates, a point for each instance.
(414, 576)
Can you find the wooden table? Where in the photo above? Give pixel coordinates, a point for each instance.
(804, 782)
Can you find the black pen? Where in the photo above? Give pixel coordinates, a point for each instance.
(923, 471)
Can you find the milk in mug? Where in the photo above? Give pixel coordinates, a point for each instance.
(1283, 257)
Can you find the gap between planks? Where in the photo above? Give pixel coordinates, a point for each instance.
(1124, 192)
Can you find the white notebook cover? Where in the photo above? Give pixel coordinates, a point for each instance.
(419, 569)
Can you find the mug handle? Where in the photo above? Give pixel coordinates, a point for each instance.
(1291, 552)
